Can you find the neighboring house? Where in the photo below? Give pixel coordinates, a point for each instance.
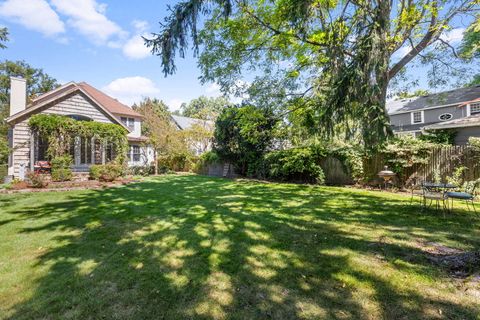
(457, 109)
(81, 102)
(201, 143)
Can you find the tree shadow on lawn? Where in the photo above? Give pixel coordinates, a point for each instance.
(203, 248)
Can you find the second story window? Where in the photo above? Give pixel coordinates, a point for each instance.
(475, 108)
(129, 122)
(417, 117)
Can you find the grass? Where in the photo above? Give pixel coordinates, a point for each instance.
(179, 247)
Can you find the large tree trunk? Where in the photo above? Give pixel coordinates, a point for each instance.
(377, 123)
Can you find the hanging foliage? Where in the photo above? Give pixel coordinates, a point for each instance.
(61, 132)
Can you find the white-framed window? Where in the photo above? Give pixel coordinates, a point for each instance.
(136, 153)
(417, 117)
(129, 122)
(445, 116)
(474, 108)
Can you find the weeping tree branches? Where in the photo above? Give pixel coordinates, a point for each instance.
(347, 51)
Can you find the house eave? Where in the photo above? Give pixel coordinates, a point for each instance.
(10, 120)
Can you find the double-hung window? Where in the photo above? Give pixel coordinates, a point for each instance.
(136, 153)
(129, 122)
(417, 117)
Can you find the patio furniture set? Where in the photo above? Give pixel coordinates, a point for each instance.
(442, 195)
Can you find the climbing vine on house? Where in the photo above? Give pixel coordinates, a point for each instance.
(61, 132)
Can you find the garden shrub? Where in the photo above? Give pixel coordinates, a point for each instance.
(182, 161)
(106, 172)
(141, 170)
(404, 152)
(296, 164)
(37, 180)
(61, 168)
(445, 136)
(62, 174)
(204, 160)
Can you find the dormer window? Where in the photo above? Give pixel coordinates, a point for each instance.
(475, 108)
(417, 117)
(129, 122)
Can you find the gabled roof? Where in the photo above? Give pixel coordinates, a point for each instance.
(108, 104)
(111, 104)
(186, 122)
(452, 97)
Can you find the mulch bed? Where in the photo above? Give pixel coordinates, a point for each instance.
(23, 187)
(458, 263)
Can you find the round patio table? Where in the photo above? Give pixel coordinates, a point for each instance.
(440, 188)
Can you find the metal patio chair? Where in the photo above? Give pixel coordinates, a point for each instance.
(430, 194)
(468, 194)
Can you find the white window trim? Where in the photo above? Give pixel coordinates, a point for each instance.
(470, 109)
(422, 115)
(451, 116)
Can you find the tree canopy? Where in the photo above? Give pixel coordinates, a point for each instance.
(157, 125)
(3, 37)
(335, 58)
(206, 108)
(37, 82)
(243, 134)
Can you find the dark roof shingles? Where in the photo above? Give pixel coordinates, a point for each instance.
(442, 98)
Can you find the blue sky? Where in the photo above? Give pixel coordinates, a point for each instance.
(99, 41)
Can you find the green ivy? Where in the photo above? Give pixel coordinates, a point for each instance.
(61, 132)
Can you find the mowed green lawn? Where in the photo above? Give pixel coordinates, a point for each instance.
(179, 247)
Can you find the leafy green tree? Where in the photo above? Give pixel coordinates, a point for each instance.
(475, 81)
(152, 106)
(157, 125)
(3, 37)
(470, 47)
(206, 108)
(37, 82)
(243, 134)
(416, 93)
(340, 55)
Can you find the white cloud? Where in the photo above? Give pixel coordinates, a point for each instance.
(135, 47)
(453, 36)
(131, 89)
(140, 25)
(35, 15)
(88, 17)
(174, 104)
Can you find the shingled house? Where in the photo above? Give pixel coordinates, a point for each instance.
(81, 102)
(457, 110)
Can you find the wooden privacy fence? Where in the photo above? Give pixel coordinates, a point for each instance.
(442, 161)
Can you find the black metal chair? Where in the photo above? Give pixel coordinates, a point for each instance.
(429, 193)
(468, 195)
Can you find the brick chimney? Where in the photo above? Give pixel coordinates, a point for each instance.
(18, 95)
